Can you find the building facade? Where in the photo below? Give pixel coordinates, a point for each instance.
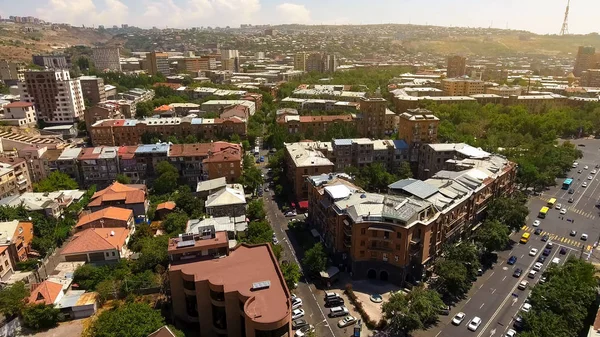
(92, 88)
(590, 78)
(462, 87)
(456, 67)
(52, 61)
(417, 127)
(587, 58)
(373, 117)
(57, 98)
(106, 58)
(21, 114)
(158, 63)
(11, 72)
(300, 61)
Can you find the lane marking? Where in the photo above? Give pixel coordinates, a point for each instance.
(504, 278)
(482, 304)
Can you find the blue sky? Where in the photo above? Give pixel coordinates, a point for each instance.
(540, 16)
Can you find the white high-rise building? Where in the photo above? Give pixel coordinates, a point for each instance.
(106, 58)
(57, 98)
(229, 53)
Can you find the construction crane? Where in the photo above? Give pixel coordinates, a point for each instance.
(565, 26)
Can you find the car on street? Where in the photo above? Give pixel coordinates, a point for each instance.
(543, 279)
(533, 252)
(526, 307)
(261, 159)
(546, 252)
(338, 311)
(303, 331)
(330, 295)
(512, 260)
(549, 245)
(563, 251)
(573, 233)
(297, 313)
(593, 171)
(585, 167)
(344, 322)
(556, 260)
(296, 303)
(571, 200)
(291, 213)
(474, 323)
(510, 333)
(545, 237)
(298, 323)
(536, 223)
(523, 285)
(537, 266)
(571, 191)
(275, 241)
(563, 211)
(558, 206)
(584, 237)
(537, 231)
(590, 177)
(579, 171)
(532, 274)
(541, 259)
(584, 184)
(518, 322)
(334, 302)
(518, 272)
(458, 318)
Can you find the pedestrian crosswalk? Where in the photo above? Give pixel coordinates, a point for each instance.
(561, 239)
(589, 215)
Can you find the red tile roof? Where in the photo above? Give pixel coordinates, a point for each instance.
(166, 205)
(114, 213)
(95, 240)
(127, 152)
(130, 194)
(190, 150)
(18, 105)
(45, 292)
(226, 155)
(163, 108)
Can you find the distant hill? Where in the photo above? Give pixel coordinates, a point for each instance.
(17, 43)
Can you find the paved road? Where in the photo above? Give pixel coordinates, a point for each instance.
(493, 295)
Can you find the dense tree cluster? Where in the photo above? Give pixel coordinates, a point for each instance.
(376, 177)
(55, 181)
(408, 312)
(127, 320)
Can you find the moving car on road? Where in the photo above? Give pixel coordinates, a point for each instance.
(525, 237)
(537, 231)
(536, 223)
(584, 184)
(474, 323)
(458, 318)
(533, 252)
(563, 211)
(512, 260)
(517, 272)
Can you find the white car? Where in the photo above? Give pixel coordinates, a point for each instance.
(537, 266)
(556, 260)
(585, 167)
(536, 223)
(296, 303)
(511, 333)
(584, 184)
(532, 274)
(344, 322)
(297, 313)
(575, 164)
(474, 323)
(526, 307)
(584, 237)
(593, 172)
(563, 211)
(533, 252)
(558, 206)
(303, 331)
(458, 318)
(523, 285)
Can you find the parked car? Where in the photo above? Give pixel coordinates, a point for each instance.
(526, 307)
(445, 310)
(458, 318)
(523, 285)
(573, 233)
(303, 331)
(532, 274)
(537, 266)
(297, 313)
(541, 259)
(546, 252)
(545, 238)
(537, 231)
(571, 191)
(298, 323)
(558, 206)
(338, 311)
(563, 251)
(510, 333)
(330, 295)
(346, 321)
(564, 210)
(533, 252)
(334, 302)
(584, 237)
(571, 200)
(296, 303)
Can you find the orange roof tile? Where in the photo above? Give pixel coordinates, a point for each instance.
(45, 292)
(163, 108)
(3, 248)
(96, 239)
(114, 213)
(131, 194)
(226, 155)
(18, 105)
(166, 205)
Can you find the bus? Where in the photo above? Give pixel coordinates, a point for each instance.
(543, 212)
(567, 184)
(551, 202)
(525, 237)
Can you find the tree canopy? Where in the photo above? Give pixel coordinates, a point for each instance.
(315, 259)
(256, 210)
(175, 223)
(127, 320)
(492, 236)
(168, 177)
(291, 274)
(13, 299)
(415, 310)
(512, 212)
(40, 316)
(54, 182)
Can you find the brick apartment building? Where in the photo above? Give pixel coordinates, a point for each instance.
(227, 292)
(587, 58)
(462, 87)
(92, 88)
(456, 66)
(417, 127)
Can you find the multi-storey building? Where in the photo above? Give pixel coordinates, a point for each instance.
(416, 127)
(202, 161)
(52, 61)
(68, 163)
(321, 63)
(106, 58)
(462, 87)
(99, 165)
(504, 90)
(117, 132)
(590, 78)
(19, 167)
(102, 111)
(300, 61)
(373, 117)
(587, 58)
(227, 292)
(8, 181)
(301, 163)
(16, 237)
(158, 63)
(21, 114)
(11, 72)
(310, 126)
(457, 66)
(92, 88)
(396, 236)
(438, 157)
(57, 98)
(196, 64)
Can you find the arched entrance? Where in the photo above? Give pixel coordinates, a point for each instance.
(372, 274)
(383, 275)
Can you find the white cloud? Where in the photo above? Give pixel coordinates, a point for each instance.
(85, 12)
(293, 13)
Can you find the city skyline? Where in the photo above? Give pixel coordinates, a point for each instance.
(534, 15)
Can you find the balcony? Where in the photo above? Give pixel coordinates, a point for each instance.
(347, 231)
(381, 246)
(347, 243)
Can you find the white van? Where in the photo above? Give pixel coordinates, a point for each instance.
(338, 311)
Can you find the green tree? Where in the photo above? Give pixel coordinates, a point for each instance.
(466, 253)
(40, 316)
(13, 298)
(510, 211)
(153, 253)
(453, 278)
(415, 310)
(256, 210)
(251, 179)
(123, 179)
(54, 182)
(259, 232)
(175, 223)
(128, 320)
(404, 171)
(167, 178)
(315, 259)
(492, 236)
(188, 202)
(246, 145)
(144, 109)
(291, 274)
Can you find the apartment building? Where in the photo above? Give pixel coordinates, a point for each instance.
(218, 105)
(229, 201)
(373, 117)
(302, 162)
(224, 291)
(300, 61)
(11, 72)
(52, 61)
(117, 132)
(397, 235)
(320, 63)
(57, 98)
(462, 87)
(590, 78)
(416, 127)
(99, 165)
(504, 90)
(21, 114)
(438, 157)
(158, 63)
(587, 58)
(106, 58)
(310, 126)
(51, 204)
(16, 236)
(311, 104)
(68, 163)
(456, 66)
(8, 181)
(202, 161)
(92, 88)
(101, 111)
(19, 167)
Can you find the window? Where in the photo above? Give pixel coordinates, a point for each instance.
(362, 253)
(362, 243)
(398, 247)
(363, 231)
(107, 254)
(386, 235)
(374, 234)
(6, 263)
(113, 254)
(398, 235)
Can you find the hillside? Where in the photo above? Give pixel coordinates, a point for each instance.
(18, 44)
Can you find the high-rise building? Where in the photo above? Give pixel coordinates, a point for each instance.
(158, 63)
(11, 72)
(195, 64)
(457, 66)
(586, 59)
(229, 53)
(231, 64)
(52, 61)
(321, 63)
(92, 88)
(417, 127)
(300, 61)
(372, 112)
(106, 58)
(57, 98)
(590, 78)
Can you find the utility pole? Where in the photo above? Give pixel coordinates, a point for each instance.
(565, 26)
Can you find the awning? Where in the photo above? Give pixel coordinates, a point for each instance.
(303, 204)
